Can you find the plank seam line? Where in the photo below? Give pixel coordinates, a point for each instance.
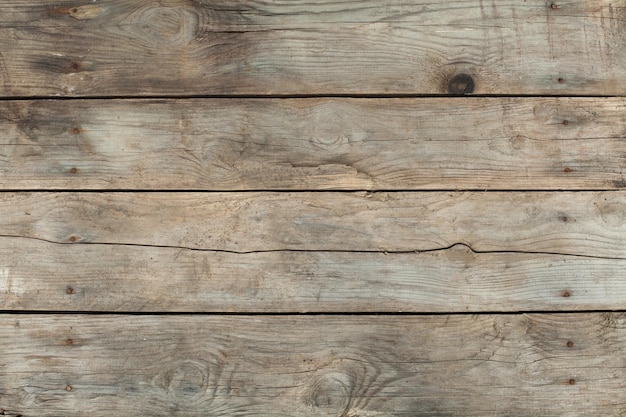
(302, 191)
(307, 313)
(415, 251)
(301, 96)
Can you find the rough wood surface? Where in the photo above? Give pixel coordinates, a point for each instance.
(41, 276)
(181, 47)
(269, 158)
(489, 365)
(373, 144)
(589, 224)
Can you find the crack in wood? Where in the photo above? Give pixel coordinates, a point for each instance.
(415, 251)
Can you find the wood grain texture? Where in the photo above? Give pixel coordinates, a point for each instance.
(300, 144)
(182, 47)
(148, 279)
(576, 223)
(489, 365)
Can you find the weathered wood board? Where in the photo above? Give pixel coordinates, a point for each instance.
(180, 179)
(587, 224)
(229, 47)
(41, 276)
(488, 365)
(313, 144)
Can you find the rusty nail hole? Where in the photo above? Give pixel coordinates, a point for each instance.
(73, 171)
(554, 6)
(560, 80)
(73, 238)
(74, 66)
(572, 381)
(565, 122)
(76, 130)
(74, 10)
(567, 169)
(69, 342)
(564, 219)
(69, 290)
(570, 344)
(566, 294)
(461, 84)
(68, 388)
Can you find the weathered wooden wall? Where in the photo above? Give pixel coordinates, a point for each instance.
(277, 208)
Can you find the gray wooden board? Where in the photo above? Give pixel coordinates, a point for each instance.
(300, 144)
(588, 224)
(182, 47)
(562, 365)
(36, 275)
(266, 237)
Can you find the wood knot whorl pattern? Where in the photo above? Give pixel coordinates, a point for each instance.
(333, 128)
(161, 25)
(330, 393)
(187, 381)
(328, 143)
(343, 386)
(197, 380)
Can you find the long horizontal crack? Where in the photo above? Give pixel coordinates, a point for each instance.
(414, 251)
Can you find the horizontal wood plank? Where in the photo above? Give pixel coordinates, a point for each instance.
(39, 276)
(180, 47)
(589, 224)
(300, 144)
(489, 365)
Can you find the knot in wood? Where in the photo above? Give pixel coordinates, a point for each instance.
(330, 393)
(187, 381)
(461, 84)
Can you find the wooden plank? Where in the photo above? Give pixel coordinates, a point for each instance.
(373, 144)
(523, 365)
(131, 279)
(179, 47)
(589, 224)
